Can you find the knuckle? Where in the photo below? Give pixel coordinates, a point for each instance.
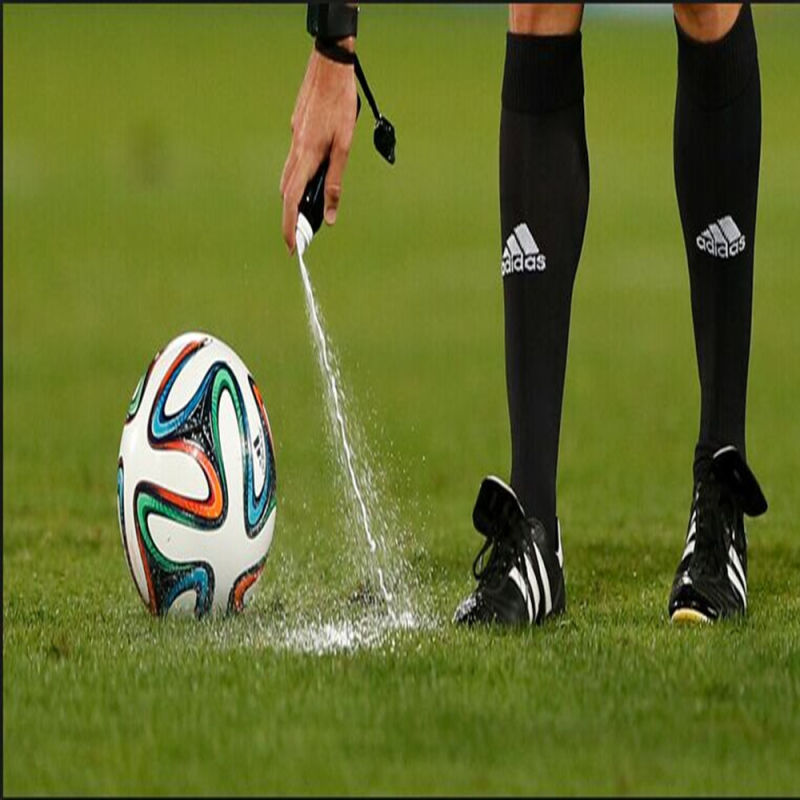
(294, 193)
(303, 144)
(343, 143)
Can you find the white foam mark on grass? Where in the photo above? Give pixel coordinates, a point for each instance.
(335, 409)
(318, 636)
(323, 637)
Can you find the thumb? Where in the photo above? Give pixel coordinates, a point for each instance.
(333, 182)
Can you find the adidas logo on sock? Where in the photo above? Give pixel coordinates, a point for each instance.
(722, 238)
(521, 253)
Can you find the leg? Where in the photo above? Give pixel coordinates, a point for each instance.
(717, 143)
(545, 19)
(706, 22)
(544, 195)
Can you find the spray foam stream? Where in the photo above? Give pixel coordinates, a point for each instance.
(329, 376)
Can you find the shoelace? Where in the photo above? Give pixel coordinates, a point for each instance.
(499, 562)
(710, 552)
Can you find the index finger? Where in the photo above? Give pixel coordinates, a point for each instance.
(294, 184)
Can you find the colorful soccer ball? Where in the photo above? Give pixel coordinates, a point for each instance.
(196, 480)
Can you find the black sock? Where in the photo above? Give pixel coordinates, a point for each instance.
(717, 143)
(544, 197)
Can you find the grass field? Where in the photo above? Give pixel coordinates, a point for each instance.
(142, 149)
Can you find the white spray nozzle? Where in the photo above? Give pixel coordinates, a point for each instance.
(303, 234)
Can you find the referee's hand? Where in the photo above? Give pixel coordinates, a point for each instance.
(322, 124)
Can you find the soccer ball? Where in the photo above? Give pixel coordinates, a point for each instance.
(196, 480)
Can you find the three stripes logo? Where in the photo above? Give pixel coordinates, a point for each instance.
(734, 569)
(534, 582)
(521, 253)
(530, 589)
(722, 238)
(736, 575)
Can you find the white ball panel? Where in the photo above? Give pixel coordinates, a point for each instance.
(184, 603)
(134, 555)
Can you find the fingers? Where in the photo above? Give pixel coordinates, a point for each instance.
(288, 168)
(299, 168)
(288, 224)
(292, 185)
(291, 199)
(333, 181)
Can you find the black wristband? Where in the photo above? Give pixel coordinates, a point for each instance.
(334, 52)
(332, 21)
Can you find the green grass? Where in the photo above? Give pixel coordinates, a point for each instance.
(142, 149)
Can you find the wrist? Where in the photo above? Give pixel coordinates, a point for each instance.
(346, 43)
(340, 51)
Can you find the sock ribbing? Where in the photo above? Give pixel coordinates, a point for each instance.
(542, 73)
(714, 74)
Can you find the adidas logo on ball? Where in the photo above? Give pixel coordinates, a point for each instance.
(722, 239)
(521, 253)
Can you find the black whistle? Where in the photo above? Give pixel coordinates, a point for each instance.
(384, 138)
(312, 204)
